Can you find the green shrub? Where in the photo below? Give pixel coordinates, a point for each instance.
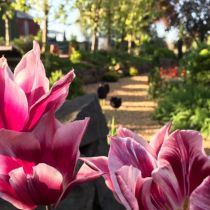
(197, 62)
(187, 105)
(162, 53)
(133, 71)
(53, 62)
(204, 52)
(76, 88)
(206, 127)
(2, 41)
(75, 56)
(55, 76)
(149, 46)
(99, 58)
(23, 43)
(155, 82)
(181, 118)
(111, 76)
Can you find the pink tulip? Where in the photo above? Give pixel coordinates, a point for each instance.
(168, 173)
(25, 95)
(38, 167)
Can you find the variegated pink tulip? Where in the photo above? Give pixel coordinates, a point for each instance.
(172, 172)
(38, 167)
(25, 95)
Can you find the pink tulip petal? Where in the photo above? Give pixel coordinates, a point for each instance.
(30, 75)
(85, 174)
(14, 106)
(124, 132)
(51, 101)
(19, 184)
(125, 151)
(145, 195)
(100, 164)
(17, 150)
(152, 197)
(166, 181)
(4, 65)
(183, 150)
(66, 145)
(10, 163)
(50, 124)
(3, 62)
(160, 137)
(200, 197)
(44, 186)
(7, 193)
(125, 183)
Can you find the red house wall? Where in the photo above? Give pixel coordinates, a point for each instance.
(33, 27)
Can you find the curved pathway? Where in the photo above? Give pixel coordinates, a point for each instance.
(136, 110)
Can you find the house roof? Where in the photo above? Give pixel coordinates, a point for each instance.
(23, 15)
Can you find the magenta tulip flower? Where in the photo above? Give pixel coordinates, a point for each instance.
(38, 167)
(172, 172)
(25, 95)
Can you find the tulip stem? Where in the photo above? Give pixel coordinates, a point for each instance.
(102, 104)
(113, 124)
(48, 207)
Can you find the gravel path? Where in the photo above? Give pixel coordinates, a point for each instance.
(136, 110)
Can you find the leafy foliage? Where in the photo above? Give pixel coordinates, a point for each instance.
(162, 53)
(111, 76)
(75, 56)
(185, 99)
(197, 62)
(23, 44)
(76, 88)
(192, 15)
(133, 71)
(119, 20)
(55, 76)
(188, 106)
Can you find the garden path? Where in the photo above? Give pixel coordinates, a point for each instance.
(137, 108)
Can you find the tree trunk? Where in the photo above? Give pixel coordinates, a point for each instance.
(45, 25)
(7, 31)
(109, 27)
(202, 37)
(94, 39)
(129, 45)
(122, 38)
(179, 48)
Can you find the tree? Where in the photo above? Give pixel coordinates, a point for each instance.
(119, 19)
(8, 8)
(41, 8)
(131, 21)
(193, 15)
(90, 16)
(45, 8)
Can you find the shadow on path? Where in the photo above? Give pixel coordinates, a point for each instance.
(136, 110)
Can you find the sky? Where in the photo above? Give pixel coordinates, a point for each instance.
(73, 29)
(170, 36)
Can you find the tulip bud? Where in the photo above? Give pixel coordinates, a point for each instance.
(103, 90)
(115, 102)
(106, 86)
